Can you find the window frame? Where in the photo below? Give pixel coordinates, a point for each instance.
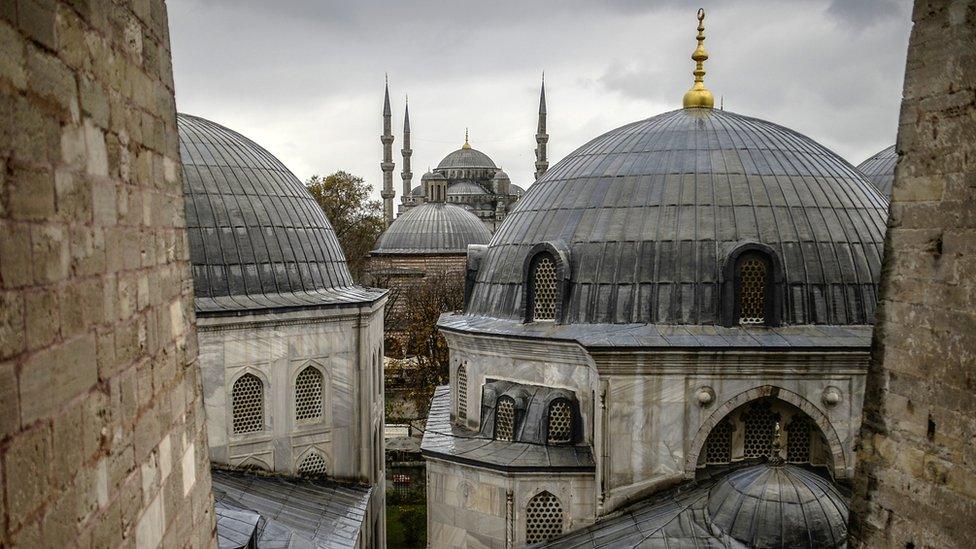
(732, 285)
(572, 422)
(559, 254)
(526, 510)
(294, 394)
(515, 418)
(265, 416)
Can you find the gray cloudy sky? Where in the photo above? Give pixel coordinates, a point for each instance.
(305, 78)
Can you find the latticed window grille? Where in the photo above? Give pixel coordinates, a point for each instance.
(462, 393)
(752, 290)
(505, 419)
(308, 394)
(543, 518)
(313, 464)
(560, 422)
(544, 289)
(718, 446)
(798, 440)
(760, 428)
(248, 404)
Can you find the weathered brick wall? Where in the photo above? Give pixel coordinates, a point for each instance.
(102, 438)
(915, 485)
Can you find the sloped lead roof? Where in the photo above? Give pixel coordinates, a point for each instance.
(433, 228)
(258, 240)
(778, 507)
(880, 170)
(650, 211)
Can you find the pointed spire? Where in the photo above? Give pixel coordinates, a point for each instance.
(406, 115)
(386, 97)
(407, 174)
(466, 144)
(542, 95)
(698, 96)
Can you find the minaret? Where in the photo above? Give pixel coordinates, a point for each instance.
(541, 137)
(387, 165)
(406, 151)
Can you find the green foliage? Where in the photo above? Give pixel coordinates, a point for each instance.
(357, 220)
(406, 526)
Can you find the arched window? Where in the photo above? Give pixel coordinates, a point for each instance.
(760, 428)
(543, 518)
(798, 440)
(752, 276)
(718, 446)
(462, 393)
(308, 394)
(313, 464)
(543, 282)
(248, 404)
(560, 429)
(505, 419)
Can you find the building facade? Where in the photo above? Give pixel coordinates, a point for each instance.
(681, 297)
(290, 349)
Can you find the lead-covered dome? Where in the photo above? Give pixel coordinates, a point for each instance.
(432, 228)
(258, 240)
(880, 170)
(466, 158)
(773, 506)
(648, 215)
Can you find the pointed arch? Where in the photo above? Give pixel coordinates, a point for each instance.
(312, 462)
(838, 462)
(247, 404)
(543, 517)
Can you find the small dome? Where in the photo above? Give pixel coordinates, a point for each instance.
(880, 170)
(433, 228)
(258, 240)
(465, 188)
(466, 158)
(433, 176)
(418, 190)
(772, 506)
(501, 175)
(650, 212)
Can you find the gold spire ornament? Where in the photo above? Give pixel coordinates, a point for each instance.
(466, 145)
(698, 96)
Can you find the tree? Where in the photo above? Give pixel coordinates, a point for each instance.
(419, 352)
(357, 220)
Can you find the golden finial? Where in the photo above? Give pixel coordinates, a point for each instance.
(466, 145)
(698, 96)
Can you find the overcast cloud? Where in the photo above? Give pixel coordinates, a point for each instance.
(305, 78)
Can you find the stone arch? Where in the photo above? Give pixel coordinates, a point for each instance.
(838, 458)
(310, 454)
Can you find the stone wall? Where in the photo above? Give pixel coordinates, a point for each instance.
(102, 438)
(916, 479)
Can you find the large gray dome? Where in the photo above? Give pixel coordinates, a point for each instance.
(466, 157)
(648, 214)
(774, 506)
(433, 228)
(880, 170)
(258, 240)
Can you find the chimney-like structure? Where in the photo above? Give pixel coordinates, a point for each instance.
(387, 165)
(541, 137)
(406, 151)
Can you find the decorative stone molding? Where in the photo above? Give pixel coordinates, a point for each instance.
(831, 396)
(705, 396)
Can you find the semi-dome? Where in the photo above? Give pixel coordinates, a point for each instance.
(466, 158)
(432, 228)
(648, 215)
(773, 506)
(258, 240)
(465, 188)
(880, 170)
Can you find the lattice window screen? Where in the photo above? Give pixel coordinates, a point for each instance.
(308, 394)
(544, 290)
(752, 291)
(462, 393)
(798, 440)
(760, 428)
(560, 422)
(543, 518)
(505, 419)
(313, 464)
(248, 404)
(718, 446)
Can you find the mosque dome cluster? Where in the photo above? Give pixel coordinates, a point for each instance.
(648, 215)
(466, 157)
